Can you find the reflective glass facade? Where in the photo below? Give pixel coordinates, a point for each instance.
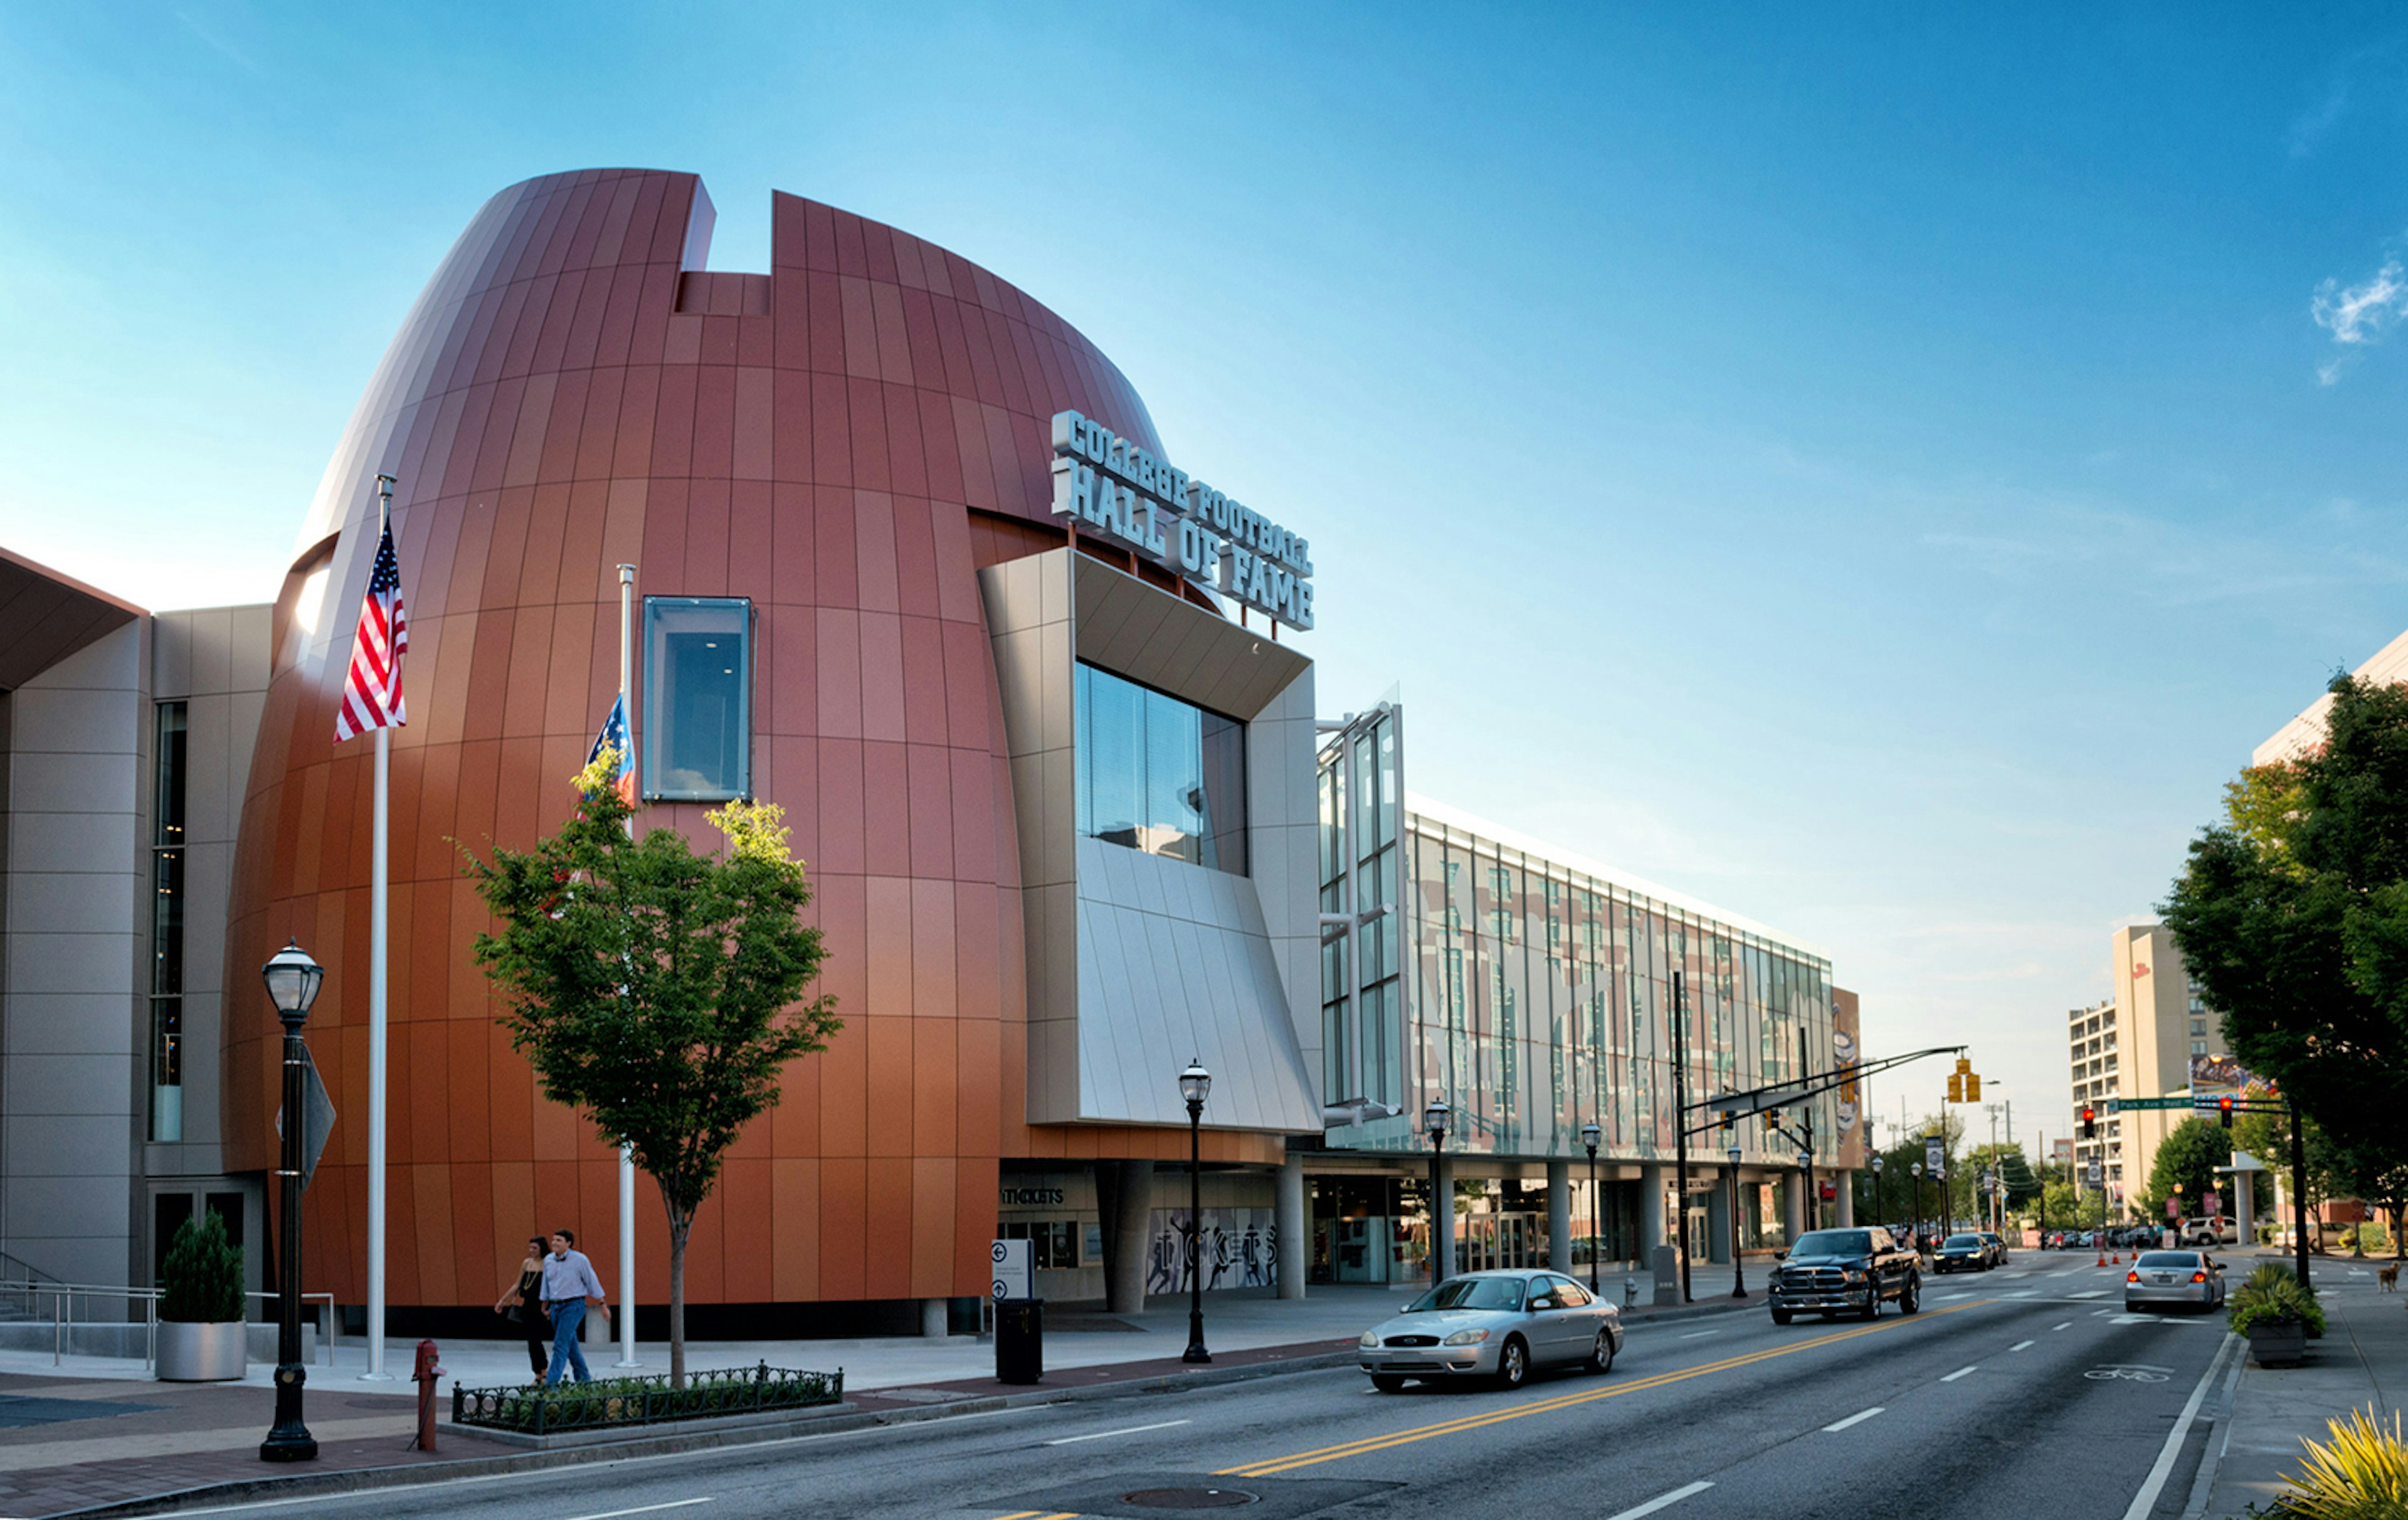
(1535, 995)
(1158, 774)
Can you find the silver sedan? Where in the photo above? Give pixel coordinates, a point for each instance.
(2188, 1278)
(1496, 1326)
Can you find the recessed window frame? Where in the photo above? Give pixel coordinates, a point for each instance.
(650, 742)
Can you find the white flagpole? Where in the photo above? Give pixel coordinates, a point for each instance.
(376, 1024)
(626, 1154)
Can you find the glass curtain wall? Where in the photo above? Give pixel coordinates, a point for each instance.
(1362, 1001)
(1538, 997)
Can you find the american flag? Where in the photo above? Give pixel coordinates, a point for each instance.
(372, 691)
(614, 737)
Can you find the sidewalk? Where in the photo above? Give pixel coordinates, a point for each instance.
(99, 1431)
(2360, 1363)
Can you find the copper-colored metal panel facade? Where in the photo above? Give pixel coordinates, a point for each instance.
(843, 441)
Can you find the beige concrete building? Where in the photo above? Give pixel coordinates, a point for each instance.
(2303, 734)
(2137, 1043)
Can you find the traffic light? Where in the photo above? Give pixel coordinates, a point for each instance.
(1955, 1087)
(2089, 1122)
(1973, 1087)
(2224, 1109)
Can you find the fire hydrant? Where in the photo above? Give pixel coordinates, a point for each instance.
(424, 1376)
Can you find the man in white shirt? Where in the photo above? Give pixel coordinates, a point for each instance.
(568, 1286)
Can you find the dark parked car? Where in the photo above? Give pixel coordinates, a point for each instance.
(1845, 1271)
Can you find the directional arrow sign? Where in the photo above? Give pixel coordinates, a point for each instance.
(317, 1118)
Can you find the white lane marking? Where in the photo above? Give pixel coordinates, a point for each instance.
(1130, 1430)
(2067, 1325)
(1962, 1371)
(2067, 1272)
(1660, 1502)
(2021, 1345)
(2089, 1293)
(1952, 1298)
(1859, 1417)
(2096, 1314)
(2147, 1499)
(1694, 1334)
(2027, 1293)
(641, 1509)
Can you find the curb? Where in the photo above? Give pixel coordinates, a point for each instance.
(362, 1480)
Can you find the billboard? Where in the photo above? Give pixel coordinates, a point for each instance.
(2222, 1073)
(1846, 1048)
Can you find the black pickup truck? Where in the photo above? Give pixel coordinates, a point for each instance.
(1845, 1271)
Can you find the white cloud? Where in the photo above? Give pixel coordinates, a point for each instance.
(2360, 314)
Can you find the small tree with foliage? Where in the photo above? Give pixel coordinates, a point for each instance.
(656, 989)
(2188, 1155)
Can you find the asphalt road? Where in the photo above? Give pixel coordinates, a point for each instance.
(2022, 1390)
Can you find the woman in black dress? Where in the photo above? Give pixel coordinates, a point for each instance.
(521, 1304)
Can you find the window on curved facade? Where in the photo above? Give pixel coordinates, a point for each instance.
(698, 737)
(1158, 774)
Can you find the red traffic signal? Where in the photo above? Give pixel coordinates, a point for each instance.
(2089, 1122)
(2224, 1109)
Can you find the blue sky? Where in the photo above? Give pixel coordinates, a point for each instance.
(1879, 474)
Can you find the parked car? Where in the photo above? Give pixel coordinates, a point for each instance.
(1837, 1271)
(2189, 1279)
(2209, 1229)
(1964, 1253)
(1492, 1325)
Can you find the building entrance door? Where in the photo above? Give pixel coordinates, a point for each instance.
(1358, 1249)
(1500, 1240)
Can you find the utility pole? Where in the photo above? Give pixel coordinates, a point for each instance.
(1680, 1131)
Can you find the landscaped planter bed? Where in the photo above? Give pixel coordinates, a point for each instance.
(610, 1403)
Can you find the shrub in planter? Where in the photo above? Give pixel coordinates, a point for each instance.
(2278, 1312)
(2360, 1475)
(201, 1307)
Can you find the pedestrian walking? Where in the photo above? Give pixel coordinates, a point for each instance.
(568, 1286)
(521, 1304)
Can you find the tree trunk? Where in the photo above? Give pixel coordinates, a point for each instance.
(679, 1225)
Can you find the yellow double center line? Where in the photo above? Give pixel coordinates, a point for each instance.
(1549, 1406)
(1544, 1406)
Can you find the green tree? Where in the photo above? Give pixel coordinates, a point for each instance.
(656, 989)
(2061, 1207)
(2188, 1156)
(2293, 919)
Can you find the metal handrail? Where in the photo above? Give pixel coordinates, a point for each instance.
(62, 1296)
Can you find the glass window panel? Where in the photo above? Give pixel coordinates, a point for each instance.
(1157, 774)
(697, 738)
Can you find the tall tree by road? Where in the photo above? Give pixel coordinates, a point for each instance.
(656, 989)
(2188, 1156)
(2293, 918)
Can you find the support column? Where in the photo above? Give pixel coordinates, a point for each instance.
(935, 1315)
(1559, 1217)
(1294, 1230)
(1442, 1214)
(1793, 1200)
(1846, 1183)
(1124, 1202)
(1718, 1214)
(1651, 1213)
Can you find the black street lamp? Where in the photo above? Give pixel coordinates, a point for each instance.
(1590, 1135)
(291, 979)
(1814, 1214)
(1434, 1121)
(1739, 1273)
(1194, 1083)
(1881, 1212)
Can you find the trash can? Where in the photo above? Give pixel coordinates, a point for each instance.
(1020, 1341)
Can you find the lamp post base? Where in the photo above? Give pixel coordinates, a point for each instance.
(288, 1438)
(1196, 1352)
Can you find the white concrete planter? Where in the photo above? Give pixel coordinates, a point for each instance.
(200, 1352)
